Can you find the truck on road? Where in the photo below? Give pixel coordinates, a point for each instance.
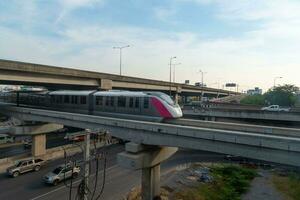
(24, 166)
(275, 108)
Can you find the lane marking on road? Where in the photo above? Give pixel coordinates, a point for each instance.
(75, 182)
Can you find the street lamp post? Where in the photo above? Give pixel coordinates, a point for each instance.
(174, 65)
(278, 77)
(171, 74)
(202, 74)
(120, 48)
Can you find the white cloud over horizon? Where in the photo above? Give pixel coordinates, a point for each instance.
(251, 58)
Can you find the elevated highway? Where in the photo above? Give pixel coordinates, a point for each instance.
(14, 72)
(273, 148)
(215, 113)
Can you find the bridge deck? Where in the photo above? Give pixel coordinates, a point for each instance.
(274, 148)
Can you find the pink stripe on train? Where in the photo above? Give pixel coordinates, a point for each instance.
(163, 111)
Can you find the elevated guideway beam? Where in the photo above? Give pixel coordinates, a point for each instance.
(279, 149)
(242, 114)
(268, 130)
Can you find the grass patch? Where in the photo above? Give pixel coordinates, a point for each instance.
(288, 185)
(229, 183)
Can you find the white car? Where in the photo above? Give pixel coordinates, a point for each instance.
(275, 108)
(61, 173)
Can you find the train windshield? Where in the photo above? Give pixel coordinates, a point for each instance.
(164, 97)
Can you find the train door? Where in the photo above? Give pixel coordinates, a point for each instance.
(133, 105)
(122, 105)
(145, 106)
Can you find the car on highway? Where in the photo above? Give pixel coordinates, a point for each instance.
(275, 108)
(61, 173)
(24, 166)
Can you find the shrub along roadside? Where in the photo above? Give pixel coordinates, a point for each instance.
(229, 183)
(289, 186)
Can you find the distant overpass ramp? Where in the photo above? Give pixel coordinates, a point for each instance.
(14, 72)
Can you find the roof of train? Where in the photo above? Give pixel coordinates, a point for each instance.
(120, 93)
(99, 93)
(72, 92)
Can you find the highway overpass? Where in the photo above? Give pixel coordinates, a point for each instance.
(219, 113)
(152, 142)
(273, 148)
(14, 72)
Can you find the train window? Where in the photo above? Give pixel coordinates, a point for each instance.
(121, 101)
(82, 100)
(146, 102)
(131, 102)
(60, 99)
(112, 101)
(99, 100)
(67, 99)
(74, 99)
(107, 101)
(137, 102)
(52, 99)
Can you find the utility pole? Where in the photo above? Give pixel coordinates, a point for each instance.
(202, 74)
(174, 69)
(120, 48)
(171, 74)
(86, 162)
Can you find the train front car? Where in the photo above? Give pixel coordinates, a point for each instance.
(164, 105)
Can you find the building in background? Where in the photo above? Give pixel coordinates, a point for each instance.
(254, 91)
(199, 84)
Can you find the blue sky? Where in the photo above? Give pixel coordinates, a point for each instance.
(245, 41)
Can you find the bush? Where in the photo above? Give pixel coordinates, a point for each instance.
(229, 183)
(254, 100)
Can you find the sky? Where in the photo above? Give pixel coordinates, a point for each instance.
(248, 42)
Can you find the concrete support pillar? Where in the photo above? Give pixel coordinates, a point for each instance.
(176, 97)
(148, 159)
(106, 84)
(38, 145)
(38, 133)
(150, 182)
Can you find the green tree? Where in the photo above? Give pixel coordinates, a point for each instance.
(284, 95)
(257, 99)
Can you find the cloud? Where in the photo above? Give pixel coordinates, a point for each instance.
(252, 57)
(164, 14)
(70, 5)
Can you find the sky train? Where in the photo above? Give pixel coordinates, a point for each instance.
(153, 106)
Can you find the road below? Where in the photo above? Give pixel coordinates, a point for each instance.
(52, 140)
(118, 183)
